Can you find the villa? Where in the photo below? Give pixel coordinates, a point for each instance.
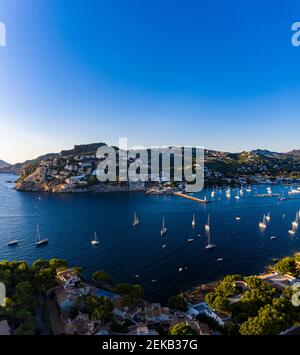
(67, 278)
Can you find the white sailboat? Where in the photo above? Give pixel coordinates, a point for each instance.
(263, 224)
(209, 244)
(207, 226)
(136, 220)
(12, 242)
(194, 221)
(95, 241)
(292, 231)
(163, 228)
(38, 240)
(295, 223)
(268, 217)
(228, 193)
(213, 193)
(237, 196)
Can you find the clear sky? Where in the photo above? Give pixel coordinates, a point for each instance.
(218, 73)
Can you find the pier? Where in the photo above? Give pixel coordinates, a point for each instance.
(199, 200)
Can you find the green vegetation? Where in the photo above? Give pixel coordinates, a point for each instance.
(98, 308)
(178, 302)
(219, 299)
(182, 329)
(286, 265)
(255, 307)
(101, 278)
(24, 284)
(131, 293)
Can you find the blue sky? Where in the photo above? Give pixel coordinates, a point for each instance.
(222, 74)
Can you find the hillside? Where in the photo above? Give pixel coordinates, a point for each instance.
(4, 164)
(75, 170)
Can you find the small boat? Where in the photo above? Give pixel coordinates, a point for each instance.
(237, 196)
(209, 244)
(268, 217)
(12, 242)
(294, 192)
(163, 230)
(282, 197)
(248, 189)
(136, 276)
(136, 220)
(153, 281)
(191, 240)
(238, 218)
(38, 241)
(207, 226)
(212, 193)
(219, 260)
(163, 246)
(273, 237)
(95, 241)
(180, 269)
(292, 231)
(269, 191)
(193, 221)
(263, 224)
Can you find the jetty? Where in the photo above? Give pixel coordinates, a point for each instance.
(189, 197)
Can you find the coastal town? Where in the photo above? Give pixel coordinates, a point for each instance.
(75, 170)
(50, 297)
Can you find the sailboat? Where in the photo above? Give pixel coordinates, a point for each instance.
(237, 196)
(38, 241)
(209, 244)
(95, 241)
(193, 221)
(213, 193)
(207, 226)
(248, 189)
(136, 220)
(228, 193)
(12, 242)
(268, 217)
(263, 224)
(163, 228)
(292, 231)
(295, 223)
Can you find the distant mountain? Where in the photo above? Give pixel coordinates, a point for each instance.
(4, 164)
(265, 153)
(15, 169)
(295, 153)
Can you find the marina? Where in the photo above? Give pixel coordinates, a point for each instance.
(152, 235)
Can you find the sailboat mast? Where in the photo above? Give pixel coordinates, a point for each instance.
(37, 238)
